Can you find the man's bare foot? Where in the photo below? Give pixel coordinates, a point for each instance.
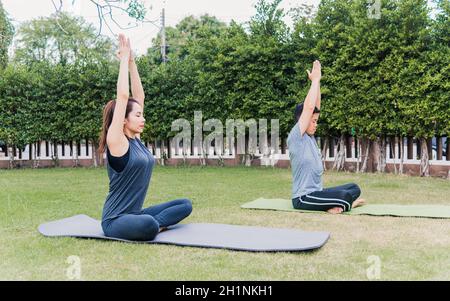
(162, 229)
(335, 210)
(359, 203)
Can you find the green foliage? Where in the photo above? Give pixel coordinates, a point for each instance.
(386, 76)
(136, 9)
(17, 87)
(168, 89)
(6, 35)
(60, 38)
(187, 31)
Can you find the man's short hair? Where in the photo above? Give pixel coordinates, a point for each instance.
(299, 110)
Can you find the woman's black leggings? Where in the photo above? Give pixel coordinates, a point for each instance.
(340, 196)
(145, 225)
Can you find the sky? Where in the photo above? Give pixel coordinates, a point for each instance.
(142, 35)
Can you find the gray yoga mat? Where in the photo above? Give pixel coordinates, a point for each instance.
(242, 238)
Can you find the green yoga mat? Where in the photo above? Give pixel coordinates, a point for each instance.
(431, 211)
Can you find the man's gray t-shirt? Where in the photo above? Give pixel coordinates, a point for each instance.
(306, 163)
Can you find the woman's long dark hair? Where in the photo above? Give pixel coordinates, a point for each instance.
(108, 113)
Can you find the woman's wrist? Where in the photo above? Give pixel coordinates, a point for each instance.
(124, 58)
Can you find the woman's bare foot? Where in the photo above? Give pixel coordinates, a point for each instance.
(358, 203)
(335, 210)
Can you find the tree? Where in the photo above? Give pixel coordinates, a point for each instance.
(44, 39)
(412, 76)
(17, 93)
(95, 84)
(330, 29)
(185, 33)
(168, 88)
(268, 20)
(6, 35)
(438, 75)
(244, 76)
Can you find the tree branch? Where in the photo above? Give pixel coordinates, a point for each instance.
(58, 11)
(105, 12)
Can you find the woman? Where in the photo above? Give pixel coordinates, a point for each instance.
(306, 163)
(130, 163)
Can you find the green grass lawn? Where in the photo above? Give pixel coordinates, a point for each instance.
(408, 248)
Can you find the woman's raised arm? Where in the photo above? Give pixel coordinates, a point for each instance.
(137, 90)
(116, 140)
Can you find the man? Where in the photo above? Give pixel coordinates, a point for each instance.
(306, 163)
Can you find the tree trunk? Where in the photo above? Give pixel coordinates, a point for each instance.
(447, 149)
(410, 145)
(74, 154)
(237, 156)
(52, 153)
(340, 157)
(249, 155)
(169, 149)
(381, 158)
(203, 154)
(163, 153)
(248, 160)
(11, 157)
(402, 154)
(324, 152)
(94, 148)
(348, 146)
(56, 154)
(365, 144)
(283, 145)
(358, 156)
(331, 153)
(76, 161)
(438, 148)
(392, 144)
(35, 159)
(430, 149)
(418, 149)
(220, 152)
(184, 152)
(264, 149)
(243, 157)
(424, 159)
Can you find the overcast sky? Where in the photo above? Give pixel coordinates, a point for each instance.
(141, 36)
